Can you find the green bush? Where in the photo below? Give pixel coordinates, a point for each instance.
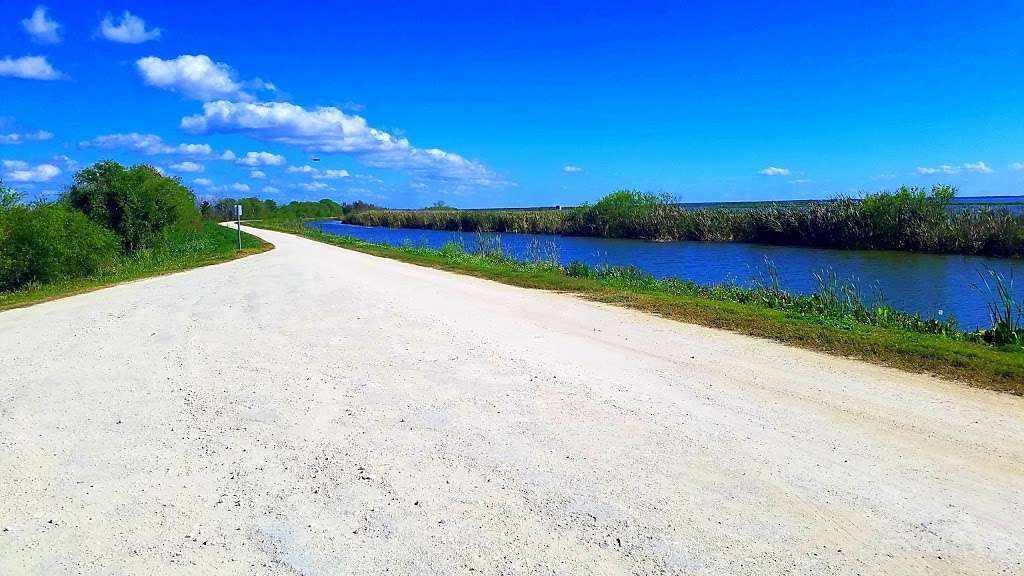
(138, 204)
(47, 242)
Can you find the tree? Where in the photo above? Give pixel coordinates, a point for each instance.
(138, 204)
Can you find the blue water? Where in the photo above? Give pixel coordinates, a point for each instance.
(932, 285)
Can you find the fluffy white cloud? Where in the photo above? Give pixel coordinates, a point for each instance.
(149, 144)
(328, 129)
(944, 169)
(570, 169)
(975, 167)
(773, 171)
(331, 175)
(29, 68)
(18, 138)
(313, 187)
(978, 167)
(40, 28)
(211, 187)
(18, 171)
(260, 159)
(188, 167)
(1017, 166)
(68, 162)
(197, 77)
(319, 174)
(130, 30)
(257, 174)
(270, 190)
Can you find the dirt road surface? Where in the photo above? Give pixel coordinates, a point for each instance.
(315, 411)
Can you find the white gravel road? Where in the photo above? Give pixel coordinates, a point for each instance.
(317, 411)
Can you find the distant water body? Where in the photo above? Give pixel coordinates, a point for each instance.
(933, 285)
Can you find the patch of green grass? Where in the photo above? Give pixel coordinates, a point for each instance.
(180, 250)
(894, 344)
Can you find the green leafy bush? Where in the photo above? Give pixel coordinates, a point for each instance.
(47, 242)
(138, 204)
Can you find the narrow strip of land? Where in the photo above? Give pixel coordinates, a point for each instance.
(312, 409)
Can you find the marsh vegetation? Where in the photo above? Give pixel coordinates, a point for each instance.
(910, 219)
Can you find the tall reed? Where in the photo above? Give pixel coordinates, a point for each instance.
(911, 219)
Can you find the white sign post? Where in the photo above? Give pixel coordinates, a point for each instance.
(238, 223)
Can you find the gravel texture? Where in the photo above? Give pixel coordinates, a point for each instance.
(313, 410)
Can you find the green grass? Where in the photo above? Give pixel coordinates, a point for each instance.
(181, 250)
(974, 362)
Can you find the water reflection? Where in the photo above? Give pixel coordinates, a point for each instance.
(929, 284)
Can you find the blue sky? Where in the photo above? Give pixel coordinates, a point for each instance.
(500, 103)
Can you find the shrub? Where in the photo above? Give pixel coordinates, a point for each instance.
(138, 204)
(47, 242)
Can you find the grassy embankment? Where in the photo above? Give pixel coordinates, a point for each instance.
(911, 219)
(183, 250)
(113, 225)
(834, 320)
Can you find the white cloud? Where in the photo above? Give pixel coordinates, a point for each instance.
(270, 190)
(978, 167)
(29, 68)
(130, 30)
(18, 138)
(211, 187)
(40, 28)
(257, 174)
(148, 144)
(260, 159)
(68, 162)
(1017, 166)
(313, 187)
(228, 155)
(773, 171)
(19, 171)
(801, 181)
(570, 169)
(196, 77)
(328, 129)
(331, 175)
(975, 167)
(188, 167)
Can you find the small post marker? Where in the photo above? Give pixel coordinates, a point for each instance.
(238, 223)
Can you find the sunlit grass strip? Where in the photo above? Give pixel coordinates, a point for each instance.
(979, 364)
(213, 244)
